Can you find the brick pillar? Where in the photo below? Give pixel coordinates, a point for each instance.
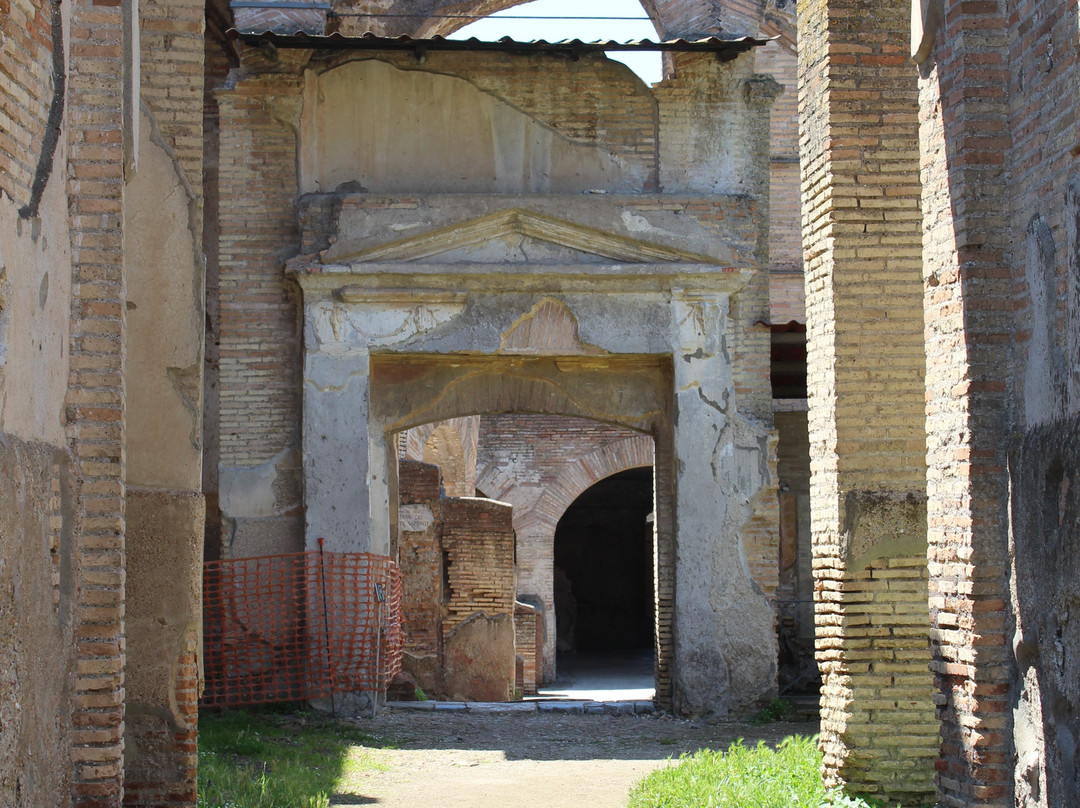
(968, 328)
(421, 563)
(858, 108)
(95, 410)
(259, 390)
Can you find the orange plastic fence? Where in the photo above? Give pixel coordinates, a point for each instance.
(299, 626)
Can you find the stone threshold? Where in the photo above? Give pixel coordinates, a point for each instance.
(560, 706)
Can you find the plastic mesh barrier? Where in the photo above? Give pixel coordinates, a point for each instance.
(299, 626)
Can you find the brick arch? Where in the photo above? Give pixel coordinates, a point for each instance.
(535, 528)
(582, 474)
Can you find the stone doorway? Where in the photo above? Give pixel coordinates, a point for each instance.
(574, 322)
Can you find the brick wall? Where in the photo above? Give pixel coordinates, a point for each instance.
(478, 540)
(761, 537)
(450, 445)
(420, 558)
(785, 236)
(528, 642)
(259, 320)
(965, 247)
(862, 245)
(216, 65)
(171, 36)
(95, 401)
(26, 93)
(994, 128)
(522, 460)
(259, 339)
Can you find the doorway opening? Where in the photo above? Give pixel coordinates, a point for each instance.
(603, 587)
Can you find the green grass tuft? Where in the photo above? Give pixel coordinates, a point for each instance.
(775, 710)
(268, 759)
(759, 777)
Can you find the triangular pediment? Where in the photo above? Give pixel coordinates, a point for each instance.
(520, 236)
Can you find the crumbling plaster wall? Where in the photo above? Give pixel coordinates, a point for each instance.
(165, 516)
(36, 500)
(62, 415)
(458, 589)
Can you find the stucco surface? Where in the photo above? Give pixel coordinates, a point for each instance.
(164, 589)
(1045, 589)
(164, 321)
(479, 659)
(35, 307)
(441, 133)
(35, 624)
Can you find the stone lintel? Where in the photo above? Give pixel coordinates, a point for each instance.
(354, 283)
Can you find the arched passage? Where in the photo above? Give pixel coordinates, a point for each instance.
(540, 500)
(604, 601)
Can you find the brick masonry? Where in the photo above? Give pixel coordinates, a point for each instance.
(999, 155)
(865, 376)
(95, 410)
(458, 589)
(26, 60)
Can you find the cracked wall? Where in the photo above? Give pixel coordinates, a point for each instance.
(164, 509)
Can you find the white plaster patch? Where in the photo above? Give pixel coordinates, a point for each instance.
(415, 518)
(249, 491)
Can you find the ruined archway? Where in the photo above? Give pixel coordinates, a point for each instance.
(604, 573)
(542, 500)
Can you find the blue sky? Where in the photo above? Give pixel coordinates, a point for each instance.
(646, 65)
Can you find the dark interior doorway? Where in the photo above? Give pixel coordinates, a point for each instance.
(604, 569)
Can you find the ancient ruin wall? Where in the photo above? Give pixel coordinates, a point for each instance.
(535, 463)
(421, 563)
(478, 621)
(966, 282)
(36, 632)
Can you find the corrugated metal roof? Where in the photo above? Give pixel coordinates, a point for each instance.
(725, 48)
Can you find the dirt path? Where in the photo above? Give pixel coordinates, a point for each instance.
(462, 760)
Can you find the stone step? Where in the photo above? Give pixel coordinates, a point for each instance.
(541, 706)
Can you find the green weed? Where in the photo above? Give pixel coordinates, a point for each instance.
(759, 777)
(268, 759)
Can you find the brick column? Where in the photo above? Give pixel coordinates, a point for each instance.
(858, 108)
(968, 326)
(95, 410)
(259, 411)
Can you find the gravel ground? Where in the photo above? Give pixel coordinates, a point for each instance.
(474, 760)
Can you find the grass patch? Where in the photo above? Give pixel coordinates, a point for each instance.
(775, 710)
(270, 759)
(760, 777)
